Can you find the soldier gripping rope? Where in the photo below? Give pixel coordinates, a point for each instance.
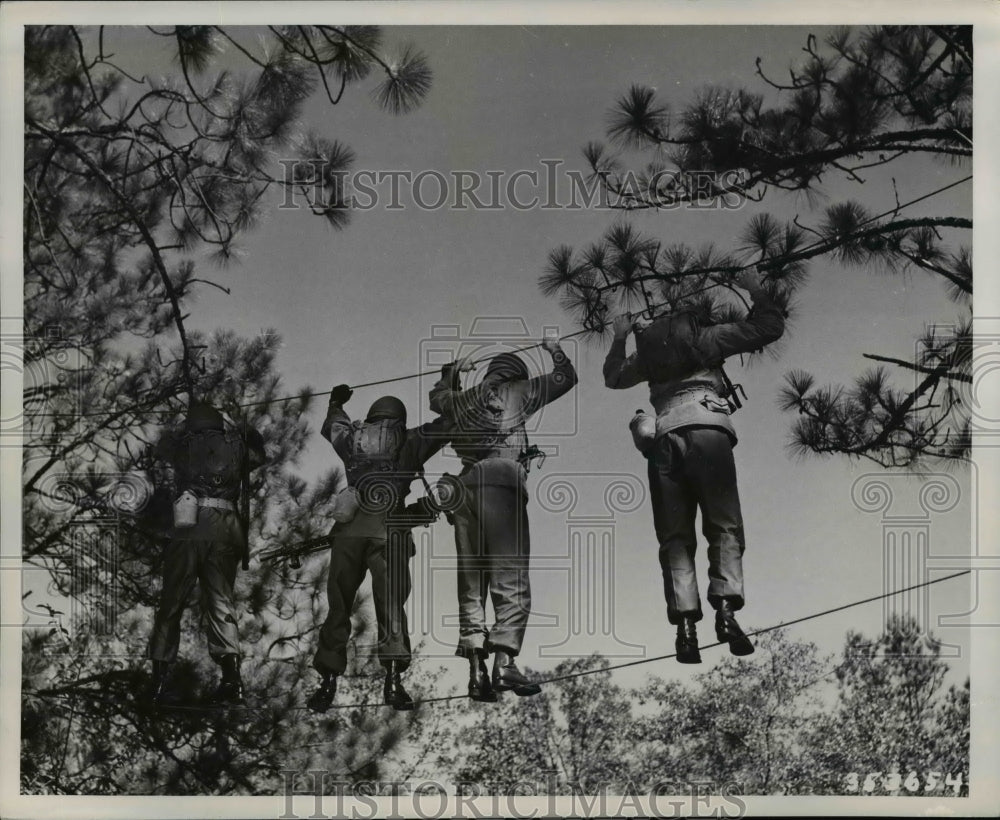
(491, 522)
(211, 460)
(372, 534)
(689, 449)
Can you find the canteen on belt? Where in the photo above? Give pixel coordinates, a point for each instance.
(186, 510)
(643, 428)
(345, 505)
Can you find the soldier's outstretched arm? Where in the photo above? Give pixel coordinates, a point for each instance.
(550, 386)
(423, 442)
(447, 396)
(337, 423)
(621, 371)
(764, 324)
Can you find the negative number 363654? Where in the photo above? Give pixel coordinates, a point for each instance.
(913, 782)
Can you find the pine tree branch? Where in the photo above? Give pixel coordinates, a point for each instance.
(943, 33)
(962, 284)
(86, 71)
(940, 371)
(319, 67)
(776, 169)
(819, 248)
(150, 242)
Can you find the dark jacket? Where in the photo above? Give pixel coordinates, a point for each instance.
(686, 395)
(489, 418)
(210, 464)
(419, 444)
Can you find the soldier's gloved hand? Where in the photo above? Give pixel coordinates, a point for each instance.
(749, 279)
(640, 323)
(341, 393)
(550, 342)
(622, 325)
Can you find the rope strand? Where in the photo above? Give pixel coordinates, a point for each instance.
(585, 672)
(775, 262)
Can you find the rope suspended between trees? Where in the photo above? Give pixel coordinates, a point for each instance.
(776, 262)
(773, 263)
(764, 631)
(583, 673)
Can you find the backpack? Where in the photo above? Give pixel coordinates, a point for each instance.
(484, 431)
(372, 450)
(373, 447)
(666, 357)
(209, 462)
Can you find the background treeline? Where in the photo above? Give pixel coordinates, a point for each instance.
(785, 721)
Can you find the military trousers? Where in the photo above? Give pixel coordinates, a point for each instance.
(689, 469)
(210, 560)
(493, 545)
(388, 561)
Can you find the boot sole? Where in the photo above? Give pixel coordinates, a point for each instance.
(490, 697)
(741, 647)
(520, 691)
(738, 646)
(527, 692)
(401, 707)
(689, 654)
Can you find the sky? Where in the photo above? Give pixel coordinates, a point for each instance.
(378, 299)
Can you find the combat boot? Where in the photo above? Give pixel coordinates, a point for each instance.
(480, 688)
(393, 692)
(687, 641)
(322, 698)
(507, 677)
(230, 690)
(728, 631)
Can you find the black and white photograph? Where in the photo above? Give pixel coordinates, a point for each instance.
(498, 410)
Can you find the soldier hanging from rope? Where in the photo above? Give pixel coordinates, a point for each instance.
(372, 534)
(211, 461)
(491, 522)
(689, 449)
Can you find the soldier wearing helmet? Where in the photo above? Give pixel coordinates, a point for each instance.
(491, 522)
(381, 457)
(210, 459)
(689, 449)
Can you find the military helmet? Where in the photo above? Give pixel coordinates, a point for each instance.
(387, 407)
(202, 416)
(509, 366)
